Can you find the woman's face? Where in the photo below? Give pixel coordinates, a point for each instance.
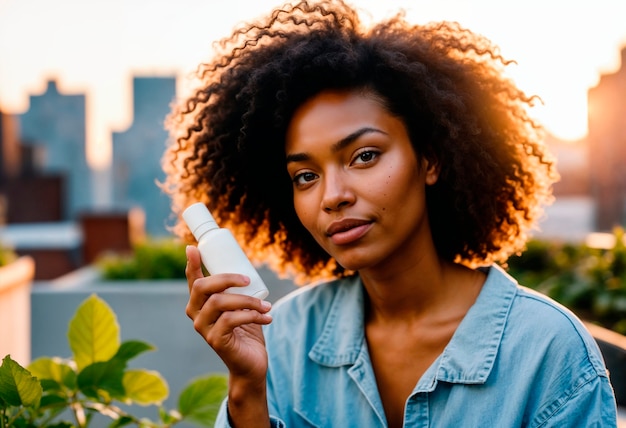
(359, 188)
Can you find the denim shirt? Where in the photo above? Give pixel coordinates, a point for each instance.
(517, 359)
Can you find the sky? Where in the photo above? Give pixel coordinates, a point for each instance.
(95, 47)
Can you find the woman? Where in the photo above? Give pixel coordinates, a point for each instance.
(391, 167)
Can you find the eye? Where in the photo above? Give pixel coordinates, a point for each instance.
(304, 178)
(365, 157)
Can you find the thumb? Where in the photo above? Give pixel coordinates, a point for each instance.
(193, 270)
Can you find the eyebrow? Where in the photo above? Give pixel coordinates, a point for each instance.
(339, 145)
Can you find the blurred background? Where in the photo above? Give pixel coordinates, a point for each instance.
(85, 87)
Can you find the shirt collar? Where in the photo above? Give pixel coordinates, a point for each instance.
(468, 358)
(342, 337)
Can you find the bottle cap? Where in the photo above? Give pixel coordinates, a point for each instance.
(199, 219)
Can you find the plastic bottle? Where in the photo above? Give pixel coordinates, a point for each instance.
(220, 252)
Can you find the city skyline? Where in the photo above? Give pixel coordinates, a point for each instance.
(96, 47)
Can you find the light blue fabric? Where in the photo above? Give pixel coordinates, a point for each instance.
(517, 359)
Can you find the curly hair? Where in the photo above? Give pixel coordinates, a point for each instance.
(445, 82)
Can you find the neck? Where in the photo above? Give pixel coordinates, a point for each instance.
(415, 293)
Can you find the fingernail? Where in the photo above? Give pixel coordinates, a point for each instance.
(266, 305)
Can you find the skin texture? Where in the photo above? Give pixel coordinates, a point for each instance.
(400, 153)
(353, 165)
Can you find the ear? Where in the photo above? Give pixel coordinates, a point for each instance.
(432, 169)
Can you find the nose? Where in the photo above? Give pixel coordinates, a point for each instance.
(338, 193)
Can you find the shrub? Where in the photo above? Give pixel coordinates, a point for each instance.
(589, 281)
(96, 379)
(150, 259)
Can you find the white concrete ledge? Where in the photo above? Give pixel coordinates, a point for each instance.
(40, 236)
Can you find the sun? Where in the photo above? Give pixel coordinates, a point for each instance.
(564, 114)
(562, 97)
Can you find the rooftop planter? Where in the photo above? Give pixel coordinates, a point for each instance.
(16, 276)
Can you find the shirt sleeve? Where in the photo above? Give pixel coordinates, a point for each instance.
(591, 405)
(223, 421)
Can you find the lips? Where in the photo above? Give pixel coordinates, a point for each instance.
(347, 231)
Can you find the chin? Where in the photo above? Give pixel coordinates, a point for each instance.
(353, 263)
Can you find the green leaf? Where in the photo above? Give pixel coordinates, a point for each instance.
(131, 348)
(122, 421)
(52, 400)
(104, 375)
(145, 387)
(53, 404)
(54, 369)
(50, 385)
(17, 386)
(94, 334)
(201, 399)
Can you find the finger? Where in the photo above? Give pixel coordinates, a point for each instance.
(204, 287)
(207, 309)
(219, 334)
(193, 269)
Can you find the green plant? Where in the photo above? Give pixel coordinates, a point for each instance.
(589, 281)
(96, 380)
(543, 259)
(7, 254)
(596, 286)
(149, 259)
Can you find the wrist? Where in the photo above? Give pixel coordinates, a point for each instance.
(247, 403)
(243, 389)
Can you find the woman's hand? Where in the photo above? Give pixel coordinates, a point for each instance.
(230, 323)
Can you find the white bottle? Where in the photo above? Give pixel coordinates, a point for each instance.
(220, 252)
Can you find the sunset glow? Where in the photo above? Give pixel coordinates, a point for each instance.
(95, 47)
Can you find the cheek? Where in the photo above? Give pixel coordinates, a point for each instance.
(400, 188)
(304, 212)
(394, 187)
(308, 217)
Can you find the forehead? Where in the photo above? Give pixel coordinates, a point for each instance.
(330, 116)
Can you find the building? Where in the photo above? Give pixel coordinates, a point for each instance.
(607, 147)
(46, 206)
(9, 146)
(54, 130)
(26, 193)
(571, 216)
(137, 152)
